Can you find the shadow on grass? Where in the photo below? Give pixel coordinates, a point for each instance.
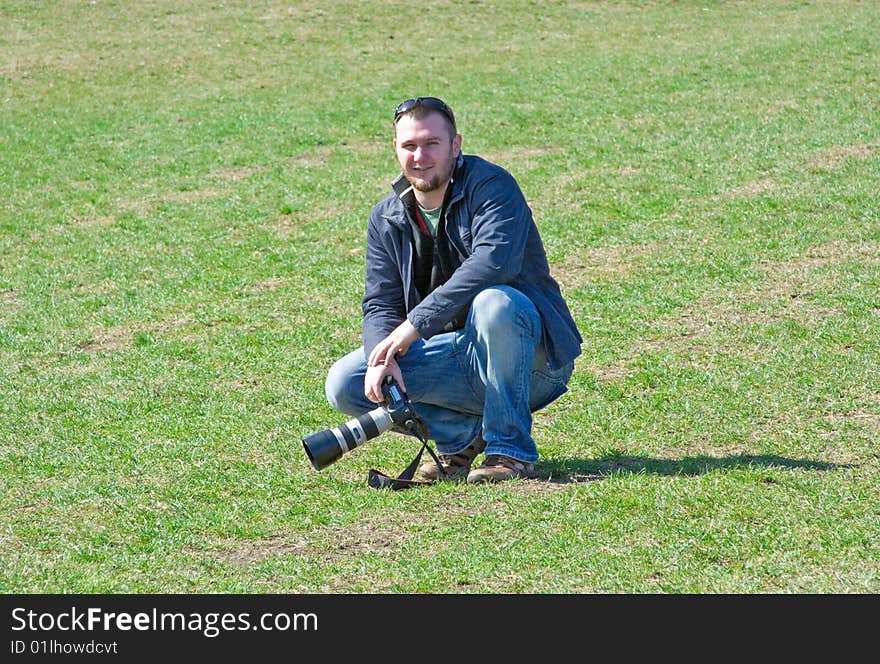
(567, 470)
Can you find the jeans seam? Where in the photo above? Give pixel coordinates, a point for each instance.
(465, 371)
(523, 321)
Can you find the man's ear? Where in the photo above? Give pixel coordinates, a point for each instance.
(456, 146)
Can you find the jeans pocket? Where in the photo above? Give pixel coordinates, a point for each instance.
(548, 385)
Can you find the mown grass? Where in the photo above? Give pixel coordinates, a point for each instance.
(183, 195)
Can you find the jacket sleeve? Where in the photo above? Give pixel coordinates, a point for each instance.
(383, 304)
(500, 222)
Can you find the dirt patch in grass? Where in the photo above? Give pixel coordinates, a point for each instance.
(101, 288)
(328, 543)
(692, 331)
(785, 292)
(569, 191)
(796, 280)
(174, 322)
(10, 297)
(833, 157)
(117, 338)
(236, 173)
(247, 552)
(753, 188)
(824, 255)
(714, 322)
(376, 533)
(93, 221)
(703, 318)
(611, 372)
(235, 385)
(369, 146)
(368, 537)
(290, 223)
(287, 225)
(601, 263)
(509, 157)
(546, 481)
(109, 340)
(835, 445)
(568, 179)
(870, 420)
(146, 203)
(270, 284)
(188, 196)
(784, 104)
(318, 157)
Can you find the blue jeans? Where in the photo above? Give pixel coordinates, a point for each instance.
(491, 375)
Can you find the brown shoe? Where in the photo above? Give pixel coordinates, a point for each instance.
(497, 468)
(456, 466)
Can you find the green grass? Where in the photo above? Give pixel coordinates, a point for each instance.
(183, 198)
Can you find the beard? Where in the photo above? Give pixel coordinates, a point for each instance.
(439, 179)
(424, 185)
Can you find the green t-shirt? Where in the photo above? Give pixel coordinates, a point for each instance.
(432, 218)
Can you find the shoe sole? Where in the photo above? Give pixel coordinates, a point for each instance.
(449, 477)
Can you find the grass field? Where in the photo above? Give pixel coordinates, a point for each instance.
(183, 197)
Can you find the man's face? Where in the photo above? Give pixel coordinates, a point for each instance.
(425, 151)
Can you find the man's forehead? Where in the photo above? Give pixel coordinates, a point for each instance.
(432, 125)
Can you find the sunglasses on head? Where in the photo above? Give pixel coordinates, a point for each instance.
(428, 102)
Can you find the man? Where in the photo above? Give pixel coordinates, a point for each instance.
(459, 305)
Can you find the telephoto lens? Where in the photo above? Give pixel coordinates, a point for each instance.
(327, 446)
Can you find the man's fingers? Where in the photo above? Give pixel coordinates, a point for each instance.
(371, 361)
(391, 356)
(380, 355)
(375, 377)
(378, 352)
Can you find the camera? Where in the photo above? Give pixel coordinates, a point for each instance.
(327, 446)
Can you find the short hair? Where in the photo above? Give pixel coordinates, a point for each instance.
(421, 107)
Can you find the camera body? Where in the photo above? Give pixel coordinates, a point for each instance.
(326, 447)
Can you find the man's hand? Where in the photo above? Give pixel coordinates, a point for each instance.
(376, 376)
(382, 361)
(396, 343)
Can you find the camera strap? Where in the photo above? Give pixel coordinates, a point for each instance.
(379, 480)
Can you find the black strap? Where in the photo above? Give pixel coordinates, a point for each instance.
(379, 480)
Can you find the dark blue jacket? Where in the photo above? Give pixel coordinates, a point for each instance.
(489, 224)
